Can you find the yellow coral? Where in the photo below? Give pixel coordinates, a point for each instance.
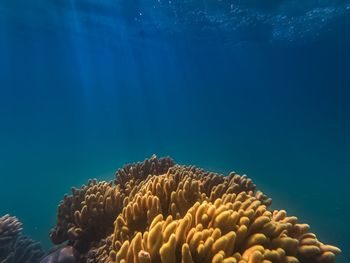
(170, 213)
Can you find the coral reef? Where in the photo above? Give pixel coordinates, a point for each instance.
(14, 246)
(158, 211)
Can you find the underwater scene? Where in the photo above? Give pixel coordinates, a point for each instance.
(174, 131)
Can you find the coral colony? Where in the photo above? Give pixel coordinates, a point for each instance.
(14, 246)
(158, 211)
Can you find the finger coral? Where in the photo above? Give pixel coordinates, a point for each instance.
(15, 247)
(158, 211)
(88, 213)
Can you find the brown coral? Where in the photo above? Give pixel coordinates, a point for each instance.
(170, 213)
(87, 215)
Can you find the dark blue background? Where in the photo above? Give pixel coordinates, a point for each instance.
(76, 105)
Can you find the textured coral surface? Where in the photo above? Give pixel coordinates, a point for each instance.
(15, 247)
(158, 211)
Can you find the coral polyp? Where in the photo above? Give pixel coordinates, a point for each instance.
(159, 211)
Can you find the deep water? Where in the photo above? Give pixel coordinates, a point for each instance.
(87, 86)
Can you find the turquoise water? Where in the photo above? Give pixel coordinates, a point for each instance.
(262, 89)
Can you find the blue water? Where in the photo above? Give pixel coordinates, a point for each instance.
(259, 87)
